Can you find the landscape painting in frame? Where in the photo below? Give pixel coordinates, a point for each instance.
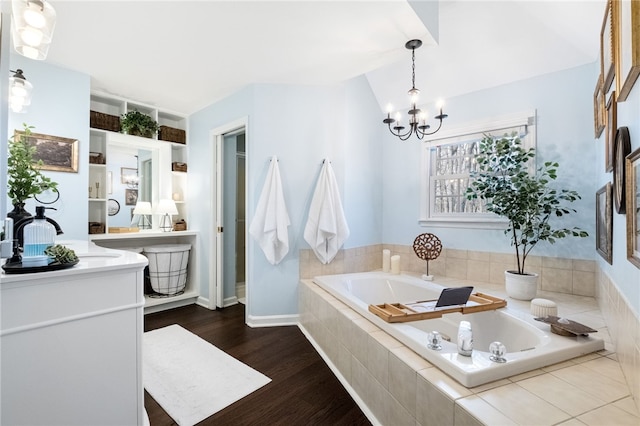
(57, 153)
(632, 187)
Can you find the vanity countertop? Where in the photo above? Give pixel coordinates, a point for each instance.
(92, 258)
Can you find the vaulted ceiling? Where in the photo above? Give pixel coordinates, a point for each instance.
(184, 55)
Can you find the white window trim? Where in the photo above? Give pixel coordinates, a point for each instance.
(473, 130)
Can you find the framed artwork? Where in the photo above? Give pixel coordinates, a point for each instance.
(604, 222)
(627, 54)
(57, 153)
(611, 132)
(607, 65)
(633, 206)
(621, 150)
(130, 197)
(599, 118)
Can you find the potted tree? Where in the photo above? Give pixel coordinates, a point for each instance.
(527, 200)
(25, 179)
(139, 124)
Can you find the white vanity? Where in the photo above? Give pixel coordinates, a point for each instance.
(71, 341)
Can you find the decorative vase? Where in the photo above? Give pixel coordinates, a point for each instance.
(18, 213)
(521, 286)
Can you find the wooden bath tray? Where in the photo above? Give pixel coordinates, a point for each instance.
(398, 312)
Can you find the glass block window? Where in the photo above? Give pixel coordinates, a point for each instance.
(446, 167)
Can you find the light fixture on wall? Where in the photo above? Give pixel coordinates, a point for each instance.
(19, 92)
(166, 208)
(32, 25)
(417, 119)
(143, 209)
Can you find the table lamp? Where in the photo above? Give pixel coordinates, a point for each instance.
(166, 208)
(143, 208)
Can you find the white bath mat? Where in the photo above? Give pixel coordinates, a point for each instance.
(192, 379)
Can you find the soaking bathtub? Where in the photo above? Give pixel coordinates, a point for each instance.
(529, 343)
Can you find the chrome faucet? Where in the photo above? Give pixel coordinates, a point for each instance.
(465, 338)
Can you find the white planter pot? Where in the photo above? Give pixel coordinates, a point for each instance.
(521, 287)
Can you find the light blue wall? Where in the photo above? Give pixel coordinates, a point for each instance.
(301, 125)
(59, 107)
(564, 106)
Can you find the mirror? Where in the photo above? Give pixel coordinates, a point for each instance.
(131, 174)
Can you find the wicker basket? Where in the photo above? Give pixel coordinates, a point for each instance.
(99, 120)
(178, 167)
(180, 225)
(170, 134)
(96, 228)
(97, 158)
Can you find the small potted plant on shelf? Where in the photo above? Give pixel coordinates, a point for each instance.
(525, 199)
(25, 180)
(139, 124)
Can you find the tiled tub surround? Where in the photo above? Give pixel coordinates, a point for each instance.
(559, 275)
(395, 386)
(529, 343)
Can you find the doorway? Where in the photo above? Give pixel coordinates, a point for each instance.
(231, 236)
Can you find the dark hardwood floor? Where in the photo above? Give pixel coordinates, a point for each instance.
(303, 390)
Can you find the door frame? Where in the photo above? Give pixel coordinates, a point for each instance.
(216, 285)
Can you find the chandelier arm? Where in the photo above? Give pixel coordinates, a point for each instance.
(403, 137)
(430, 133)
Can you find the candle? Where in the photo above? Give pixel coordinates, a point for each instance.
(386, 260)
(395, 264)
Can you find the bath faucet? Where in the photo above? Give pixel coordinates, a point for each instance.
(465, 339)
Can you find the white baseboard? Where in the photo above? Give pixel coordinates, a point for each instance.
(272, 320)
(204, 302)
(229, 301)
(367, 412)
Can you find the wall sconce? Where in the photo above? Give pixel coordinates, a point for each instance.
(32, 25)
(143, 208)
(19, 92)
(167, 208)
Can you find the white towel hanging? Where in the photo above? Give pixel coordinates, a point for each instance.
(326, 229)
(269, 225)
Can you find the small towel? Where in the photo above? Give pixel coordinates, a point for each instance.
(326, 228)
(269, 225)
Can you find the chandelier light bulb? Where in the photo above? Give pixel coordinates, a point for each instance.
(398, 116)
(389, 108)
(440, 103)
(31, 36)
(33, 15)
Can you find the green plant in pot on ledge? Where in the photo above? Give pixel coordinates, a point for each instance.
(25, 180)
(139, 124)
(527, 200)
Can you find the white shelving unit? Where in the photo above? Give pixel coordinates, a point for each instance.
(166, 184)
(138, 240)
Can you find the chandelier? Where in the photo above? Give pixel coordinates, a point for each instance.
(417, 119)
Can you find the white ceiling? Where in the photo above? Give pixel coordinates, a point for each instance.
(184, 55)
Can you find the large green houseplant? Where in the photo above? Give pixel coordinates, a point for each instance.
(139, 124)
(526, 199)
(25, 180)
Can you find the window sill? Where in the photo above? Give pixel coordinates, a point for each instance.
(473, 223)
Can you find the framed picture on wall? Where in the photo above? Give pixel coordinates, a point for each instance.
(599, 117)
(627, 54)
(607, 66)
(621, 150)
(56, 153)
(633, 206)
(604, 222)
(130, 197)
(611, 132)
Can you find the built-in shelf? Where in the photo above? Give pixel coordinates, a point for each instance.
(150, 160)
